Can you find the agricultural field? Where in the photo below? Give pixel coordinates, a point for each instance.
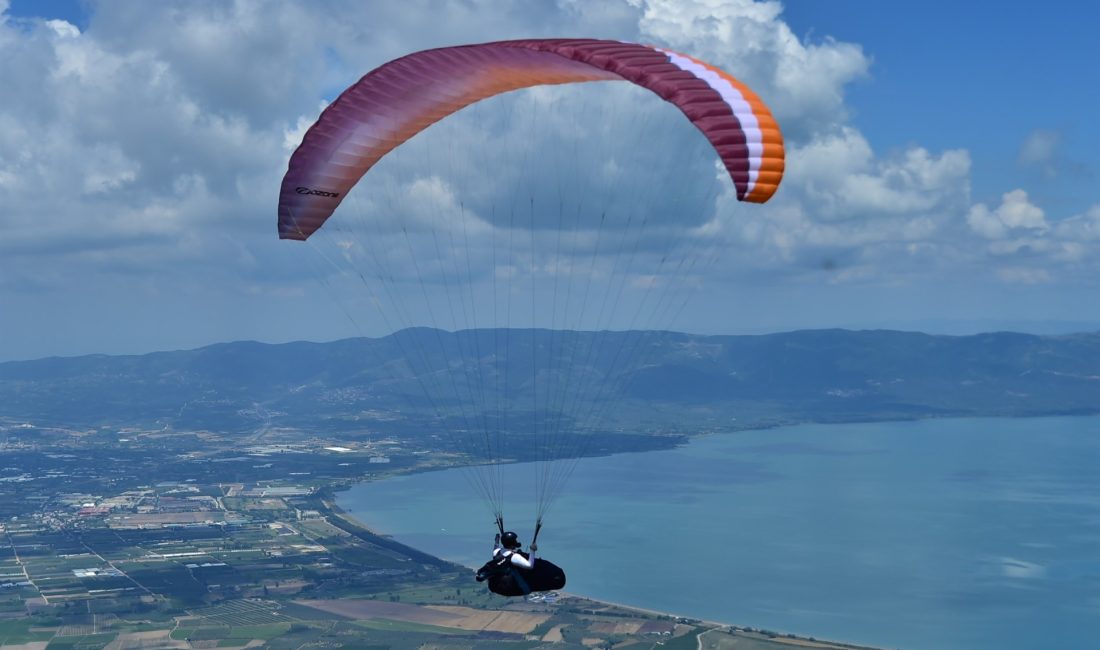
(288, 583)
(274, 583)
(93, 560)
(23, 630)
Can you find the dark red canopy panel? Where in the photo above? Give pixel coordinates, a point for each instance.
(401, 98)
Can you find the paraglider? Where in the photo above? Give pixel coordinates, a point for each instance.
(401, 98)
(513, 572)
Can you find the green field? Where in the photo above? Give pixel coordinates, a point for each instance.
(14, 632)
(85, 642)
(240, 632)
(405, 626)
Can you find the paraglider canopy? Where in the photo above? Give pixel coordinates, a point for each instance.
(396, 101)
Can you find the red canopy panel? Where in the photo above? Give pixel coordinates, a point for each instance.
(396, 101)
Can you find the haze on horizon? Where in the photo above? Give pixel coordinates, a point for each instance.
(940, 177)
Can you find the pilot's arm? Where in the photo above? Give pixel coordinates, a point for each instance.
(522, 562)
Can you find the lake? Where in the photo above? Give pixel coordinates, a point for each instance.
(935, 534)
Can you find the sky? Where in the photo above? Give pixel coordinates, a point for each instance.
(941, 165)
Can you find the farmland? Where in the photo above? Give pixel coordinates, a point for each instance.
(165, 539)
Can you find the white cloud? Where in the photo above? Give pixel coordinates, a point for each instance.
(62, 28)
(292, 137)
(854, 216)
(802, 82)
(1015, 215)
(97, 139)
(156, 103)
(1021, 245)
(1083, 228)
(150, 145)
(842, 179)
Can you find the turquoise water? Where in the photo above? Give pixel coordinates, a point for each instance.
(940, 534)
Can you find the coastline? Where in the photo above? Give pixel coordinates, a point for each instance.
(328, 500)
(905, 457)
(777, 637)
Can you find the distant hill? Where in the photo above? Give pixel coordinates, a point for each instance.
(637, 380)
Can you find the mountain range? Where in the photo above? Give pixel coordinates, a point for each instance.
(651, 381)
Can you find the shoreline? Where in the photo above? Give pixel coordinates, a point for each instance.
(687, 438)
(787, 638)
(780, 637)
(878, 631)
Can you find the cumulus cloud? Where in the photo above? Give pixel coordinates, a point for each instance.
(98, 139)
(148, 149)
(853, 215)
(803, 82)
(1016, 215)
(1084, 228)
(1023, 246)
(195, 105)
(843, 179)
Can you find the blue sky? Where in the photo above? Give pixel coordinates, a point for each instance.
(996, 73)
(941, 162)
